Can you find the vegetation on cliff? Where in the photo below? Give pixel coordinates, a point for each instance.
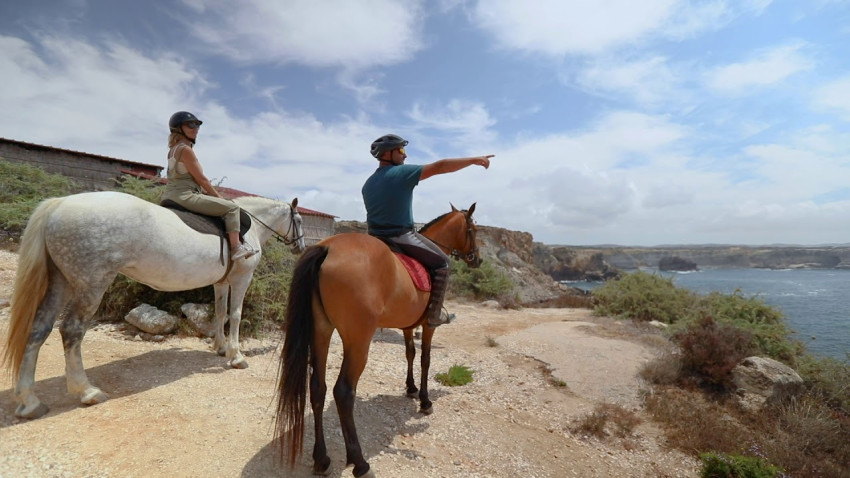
(690, 390)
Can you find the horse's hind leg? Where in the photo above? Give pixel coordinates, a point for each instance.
(318, 391)
(73, 329)
(29, 406)
(353, 363)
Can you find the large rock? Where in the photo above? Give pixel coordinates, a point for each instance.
(148, 318)
(201, 316)
(762, 380)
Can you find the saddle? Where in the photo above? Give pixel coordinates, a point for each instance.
(418, 273)
(208, 224)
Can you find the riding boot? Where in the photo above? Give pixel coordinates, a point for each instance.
(435, 312)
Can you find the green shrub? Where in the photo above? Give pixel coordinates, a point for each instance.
(22, 187)
(456, 376)
(644, 297)
(146, 189)
(719, 465)
(484, 282)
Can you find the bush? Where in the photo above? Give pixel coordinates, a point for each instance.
(457, 375)
(622, 422)
(22, 187)
(644, 297)
(711, 350)
(482, 283)
(719, 465)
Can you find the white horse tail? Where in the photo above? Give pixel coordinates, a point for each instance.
(31, 284)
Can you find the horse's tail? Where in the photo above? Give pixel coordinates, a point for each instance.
(30, 285)
(298, 327)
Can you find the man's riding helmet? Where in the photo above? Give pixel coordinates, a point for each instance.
(387, 142)
(177, 119)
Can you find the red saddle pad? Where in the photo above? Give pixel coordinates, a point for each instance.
(420, 276)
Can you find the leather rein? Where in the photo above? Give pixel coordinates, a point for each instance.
(472, 255)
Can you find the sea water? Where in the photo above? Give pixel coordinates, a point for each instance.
(814, 301)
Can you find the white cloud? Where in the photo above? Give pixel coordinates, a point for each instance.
(834, 96)
(557, 27)
(354, 35)
(647, 81)
(767, 68)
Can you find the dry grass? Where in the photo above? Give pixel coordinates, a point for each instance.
(606, 420)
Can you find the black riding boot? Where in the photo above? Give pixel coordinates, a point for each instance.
(439, 284)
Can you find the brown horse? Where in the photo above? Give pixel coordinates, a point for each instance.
(354, 284)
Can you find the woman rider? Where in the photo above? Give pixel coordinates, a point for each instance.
(190, 188)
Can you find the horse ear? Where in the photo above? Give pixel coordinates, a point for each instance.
(454, 209)
(294, 204)
(472, 208)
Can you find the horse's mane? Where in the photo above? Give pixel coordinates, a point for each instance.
(249, 200)
(434, 221)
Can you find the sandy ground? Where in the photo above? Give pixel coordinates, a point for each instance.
(176, 409)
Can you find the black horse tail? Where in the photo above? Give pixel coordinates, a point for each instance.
(294, 360)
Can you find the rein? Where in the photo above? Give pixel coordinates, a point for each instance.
(288, 242)
(472, 255)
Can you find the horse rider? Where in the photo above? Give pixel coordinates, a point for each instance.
(388, 196)
(190, 188)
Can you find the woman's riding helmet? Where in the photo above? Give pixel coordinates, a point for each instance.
(387, 142)
(179, 118)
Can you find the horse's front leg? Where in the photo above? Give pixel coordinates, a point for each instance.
(410, 353)
(222, 291)
(425, 405)
(238, 289)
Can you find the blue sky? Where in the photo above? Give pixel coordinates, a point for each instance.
(612, 122)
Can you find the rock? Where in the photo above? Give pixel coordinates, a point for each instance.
(676, 263)
(491, 304)
(762, 380)
(201, 316)
(148, 318)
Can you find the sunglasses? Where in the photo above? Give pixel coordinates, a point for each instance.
(401, 150)
(192, 124)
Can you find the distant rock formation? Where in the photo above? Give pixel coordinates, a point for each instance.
(677, 264)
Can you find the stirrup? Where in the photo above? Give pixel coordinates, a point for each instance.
(242, 251)
(444, 318)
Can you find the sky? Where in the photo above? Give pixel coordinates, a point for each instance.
(644, 123)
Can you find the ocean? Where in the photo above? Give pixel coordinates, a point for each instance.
(814, 301)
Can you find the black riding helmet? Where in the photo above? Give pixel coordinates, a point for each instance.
(177, 119)
(387, 142)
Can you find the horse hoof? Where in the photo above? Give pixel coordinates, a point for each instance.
(240, 363)
(368, 474)
(37, 412)
(414, 394)
(93, 397)
(426, 411)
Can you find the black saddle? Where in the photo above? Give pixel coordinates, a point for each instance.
(207, 224)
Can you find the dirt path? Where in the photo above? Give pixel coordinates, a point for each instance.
(177, 410)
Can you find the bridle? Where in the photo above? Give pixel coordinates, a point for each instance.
(292, 227)
(470, 257)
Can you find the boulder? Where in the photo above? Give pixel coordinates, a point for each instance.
(201, 316)
(762, 380)
(676, 263)
(148, 318)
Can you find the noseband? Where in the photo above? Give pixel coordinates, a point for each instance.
(471, 256)
(291, 229)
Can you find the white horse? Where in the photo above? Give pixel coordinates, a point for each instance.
(72, 250)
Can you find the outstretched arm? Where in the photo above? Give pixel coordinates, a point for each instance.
(444, 166)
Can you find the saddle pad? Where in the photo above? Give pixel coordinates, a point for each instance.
(206, 224)
(417, 272)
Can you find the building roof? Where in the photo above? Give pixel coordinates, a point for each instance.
(228, 193)
(26, 145)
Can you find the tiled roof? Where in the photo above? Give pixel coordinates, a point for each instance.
(41, 146)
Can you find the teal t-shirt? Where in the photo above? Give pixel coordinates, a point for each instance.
(388, 196)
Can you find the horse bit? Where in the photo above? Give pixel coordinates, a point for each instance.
(472, 255)
(288, 242)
